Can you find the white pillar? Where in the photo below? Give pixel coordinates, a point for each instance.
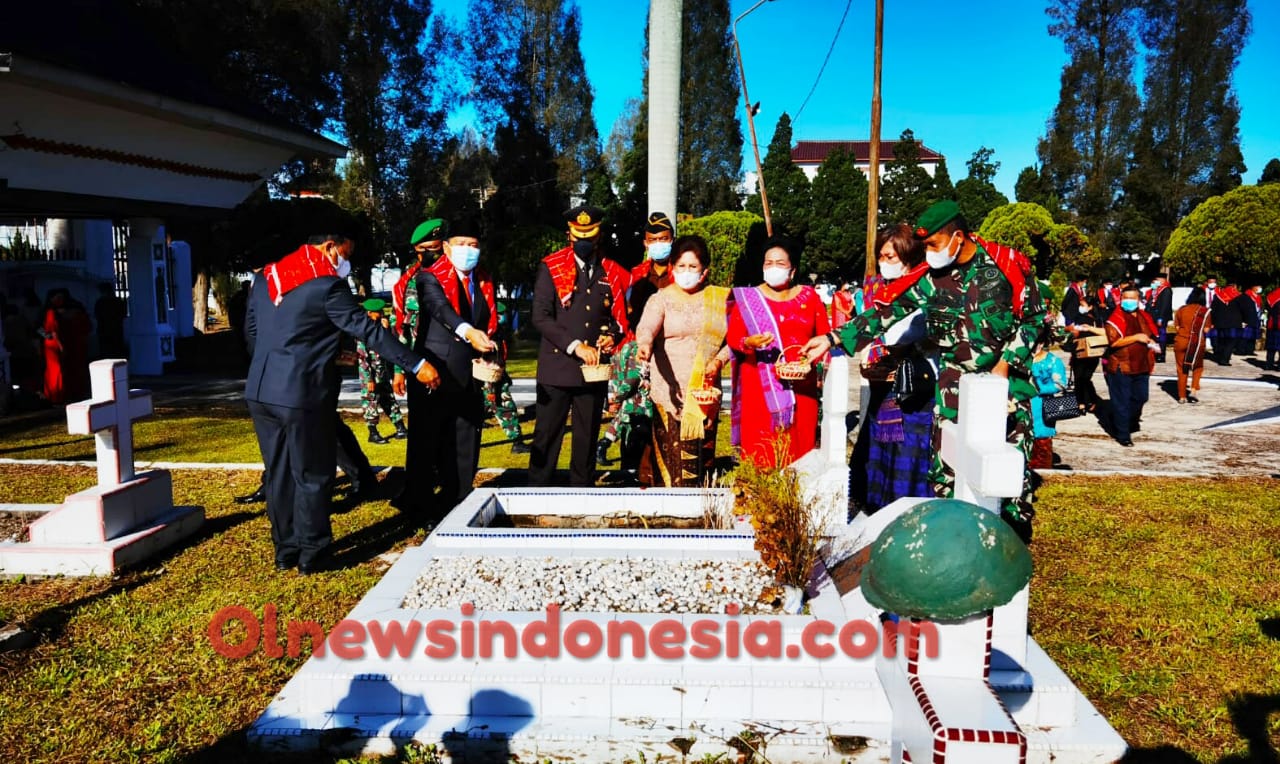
(151, 337)
(59, 235)
(182, 317)
(664, 103)
(94, 238)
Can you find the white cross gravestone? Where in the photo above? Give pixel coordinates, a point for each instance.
(109, 416)
(122, 520)
(988, 468)
(946, 709)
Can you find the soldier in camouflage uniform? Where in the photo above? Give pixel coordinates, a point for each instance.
(427, 241)
(984, 314)
(630, 404)
(628, 392)
(498, 402)
(375, 383)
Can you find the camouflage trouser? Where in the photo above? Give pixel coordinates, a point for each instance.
(378, 372)
(1019, 432)
(628, 394)
(501, 406)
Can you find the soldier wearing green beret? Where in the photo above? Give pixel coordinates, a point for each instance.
(375, 382)
(984, 314)
(427, 241)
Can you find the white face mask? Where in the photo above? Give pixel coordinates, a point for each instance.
(777, 276)
(687, 280)
(940, 258)
(892, 271)
(343, 267)
(463, 257)
(659, 251)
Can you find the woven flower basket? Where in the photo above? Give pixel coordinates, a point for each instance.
(486, 371)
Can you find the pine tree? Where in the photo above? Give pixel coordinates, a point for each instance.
(906, 190)
(942, 185)
(838, 221)
(785, 184)
(1188, 143)
(710, 166)
(394, 108)
(1090, 135)
(527, 72)
(976, 194)
(1270, 173)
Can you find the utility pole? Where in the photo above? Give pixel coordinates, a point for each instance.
(664, 103)
(751, 122)
(873, 194)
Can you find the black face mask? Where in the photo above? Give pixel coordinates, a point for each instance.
(584, 248)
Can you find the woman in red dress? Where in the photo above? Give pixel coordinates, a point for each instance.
(75, 327)
(51, 331)
(767, 322)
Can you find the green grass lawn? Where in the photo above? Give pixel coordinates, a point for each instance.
(522, 358)
(1159, 598)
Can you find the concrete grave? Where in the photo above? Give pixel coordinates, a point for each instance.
(122, 520)
(600, 708)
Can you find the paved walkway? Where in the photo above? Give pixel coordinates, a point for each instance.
(1235, 430)
(199, 390)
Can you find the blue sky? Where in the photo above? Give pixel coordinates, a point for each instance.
(996, 88)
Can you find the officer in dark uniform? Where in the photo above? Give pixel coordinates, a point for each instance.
(579, 308)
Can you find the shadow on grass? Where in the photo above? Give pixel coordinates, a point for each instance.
(42, 446)
(50, 623)
(369, 542)
(1250, 713)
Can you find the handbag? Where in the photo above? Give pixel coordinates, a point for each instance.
(1061, 406)
(914, 381)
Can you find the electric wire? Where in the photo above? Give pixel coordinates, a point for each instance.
(823, 68)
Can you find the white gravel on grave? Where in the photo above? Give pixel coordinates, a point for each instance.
(622, 585)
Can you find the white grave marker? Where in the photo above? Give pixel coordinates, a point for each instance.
(986, 466)
(122, 520)
(109, 416)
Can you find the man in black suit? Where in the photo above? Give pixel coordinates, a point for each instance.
(457, 318)
(579, 308)
(1160, 306)
(299, 307)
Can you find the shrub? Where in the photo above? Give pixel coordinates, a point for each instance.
(726, 234)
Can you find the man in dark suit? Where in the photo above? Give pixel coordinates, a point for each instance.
(299, 307)
(579, 308)
(1160, 306)
(458, 317)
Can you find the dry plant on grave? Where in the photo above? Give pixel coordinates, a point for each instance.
(717, 508)
(789, 523)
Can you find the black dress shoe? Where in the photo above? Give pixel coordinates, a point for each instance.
(520, 447)
(315, 565)
(285, 564)
(1127, 443)
(257, 497)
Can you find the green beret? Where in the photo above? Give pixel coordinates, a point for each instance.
(373, 304)
(934, 218)
(427, 231)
